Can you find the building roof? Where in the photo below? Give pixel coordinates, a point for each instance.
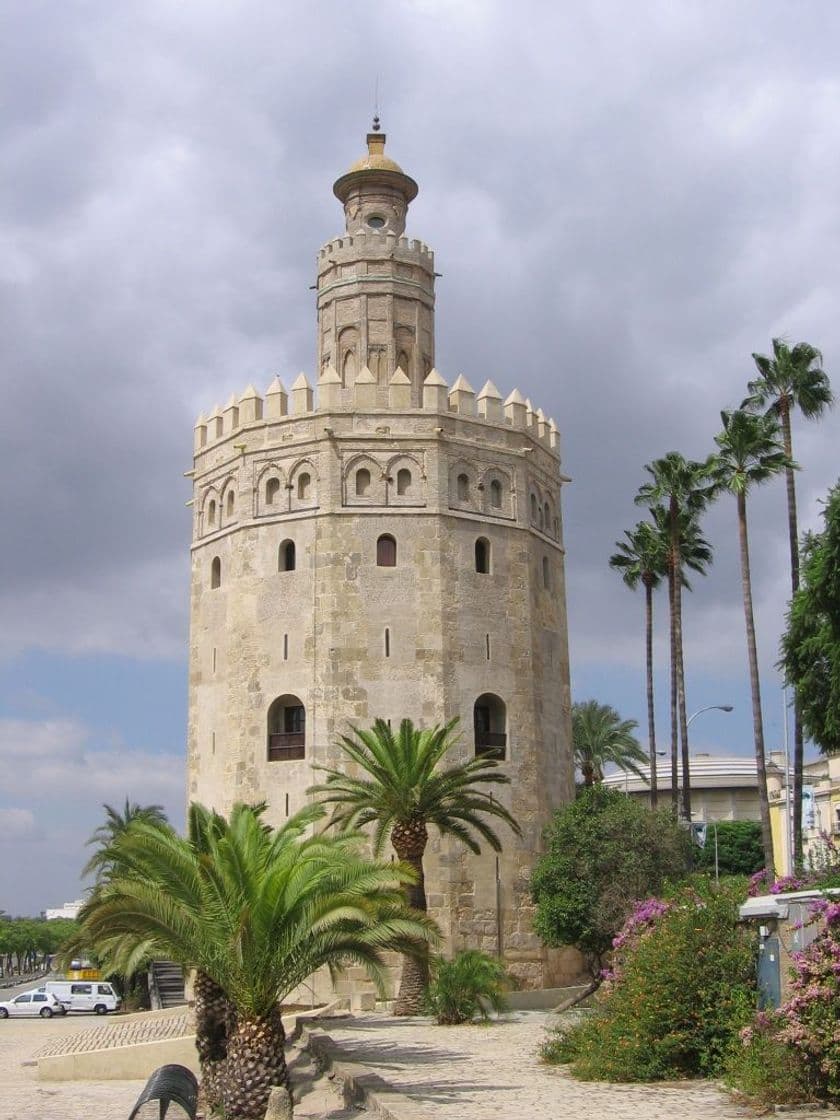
(708, 771)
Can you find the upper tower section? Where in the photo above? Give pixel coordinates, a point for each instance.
(375, 287)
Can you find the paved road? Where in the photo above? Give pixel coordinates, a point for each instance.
(24, 1097)
(486, 1073)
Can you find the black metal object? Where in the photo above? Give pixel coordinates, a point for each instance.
(167, 1085)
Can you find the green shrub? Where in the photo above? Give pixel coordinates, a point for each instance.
(465, 987)
(768, 1071)
(603, 852)
(740, 851)
(684, 986)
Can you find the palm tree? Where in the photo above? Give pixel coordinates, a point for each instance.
(791, 379)
(750, 451)
(404, 789)
(114, 825)
(681, 484)
(643, 558)
(601, 736)
(255, 911)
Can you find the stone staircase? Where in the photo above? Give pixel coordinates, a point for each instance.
(167, 979)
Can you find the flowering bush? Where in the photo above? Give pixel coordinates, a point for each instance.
(804, 1034)
(823, 871)
(683, 984)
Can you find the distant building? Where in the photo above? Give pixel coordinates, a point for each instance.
(820, 810)
(723, 787)
(68, 910)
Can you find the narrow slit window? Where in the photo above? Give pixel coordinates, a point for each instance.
(213, 741)
(230, 503)
(482, 555)
(534, 509)
(487, 645)
(546, 569)
(211, 513)
(496, 494)
(214, 659)
(216, 573)
(285, 647)
(387, 642)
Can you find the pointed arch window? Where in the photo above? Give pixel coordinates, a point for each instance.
(304, 486)
(403, 481)
(272, 489)
(211, 513)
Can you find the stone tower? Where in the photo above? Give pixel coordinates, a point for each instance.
(393, 549)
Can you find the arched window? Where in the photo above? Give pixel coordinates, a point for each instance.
(216, 573)
(304, 486)
(490, 726)
(362, 482)
(211, 513)
(534, 509)
(547, 517)
(229, 503)
(286, 557)
(482, 555)
(286, 729)
(546, 573)
(403, 481)
(463, 483)
(272, 489)
(386, 552)
(542, 524)
(496, 494)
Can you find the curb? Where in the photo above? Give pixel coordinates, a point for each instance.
(360, 1086)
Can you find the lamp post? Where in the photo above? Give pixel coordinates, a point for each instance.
(694, 715)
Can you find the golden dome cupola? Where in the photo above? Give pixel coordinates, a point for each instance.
(375, 191)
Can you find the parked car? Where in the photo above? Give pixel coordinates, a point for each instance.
(84, 995)
(40, 1003)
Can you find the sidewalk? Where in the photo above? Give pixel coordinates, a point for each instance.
(488, 1072)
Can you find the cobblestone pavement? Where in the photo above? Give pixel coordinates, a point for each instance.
(484, 1073)
(137, 1028)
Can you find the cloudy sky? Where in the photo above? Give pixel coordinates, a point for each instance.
(626, 200)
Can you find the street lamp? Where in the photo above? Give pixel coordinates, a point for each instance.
(709, 708)
(694, 715)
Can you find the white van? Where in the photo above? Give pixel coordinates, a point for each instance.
(84, 995)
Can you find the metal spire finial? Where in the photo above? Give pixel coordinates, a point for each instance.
(376, 124)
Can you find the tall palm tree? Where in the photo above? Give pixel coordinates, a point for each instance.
(601, 736)
(403, 788)
(682, 485)
(255, 910)
(750, 451)
(643, 558)
(114, 825)
(791, 379)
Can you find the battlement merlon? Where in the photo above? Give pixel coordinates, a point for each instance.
(277, 416)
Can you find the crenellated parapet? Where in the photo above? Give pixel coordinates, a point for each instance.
(372, 244)
(280, 407)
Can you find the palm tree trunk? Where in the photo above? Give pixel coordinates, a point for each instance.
(256, 1063)
(793, 539)
(755, 687)
(676, 563)
(409, 843)
(215, 1021)
(654, 799)
(675, 793)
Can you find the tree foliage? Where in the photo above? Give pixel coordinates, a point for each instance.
(811, 642)
(600, 737)
(603, 852)
(740, 851)
(465, 987)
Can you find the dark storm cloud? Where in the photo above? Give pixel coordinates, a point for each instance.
(625, 201)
